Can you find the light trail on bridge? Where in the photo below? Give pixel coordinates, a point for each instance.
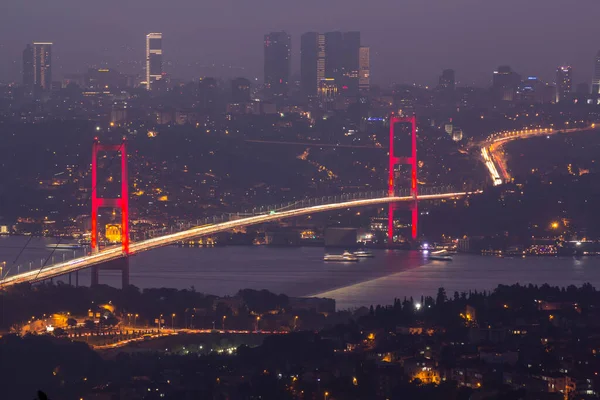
(350, 146)
(491, 148)
(116, 252)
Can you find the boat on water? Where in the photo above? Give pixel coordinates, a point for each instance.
(363, 253)
(441, 255)
(346, 256)
(65, 246)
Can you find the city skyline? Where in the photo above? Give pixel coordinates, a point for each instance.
(481, 43)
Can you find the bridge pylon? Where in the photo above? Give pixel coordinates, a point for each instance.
(121, 203)
(397, 160)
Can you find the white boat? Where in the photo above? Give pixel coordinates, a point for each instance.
(65, 246)
(441, 255)
(363, 253)
(346, 256)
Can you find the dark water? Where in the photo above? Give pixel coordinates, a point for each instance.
(302, 272)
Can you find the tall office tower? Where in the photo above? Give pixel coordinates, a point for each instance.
(312, 62)
(342, 60)
(28, 74)
(505, 83)
(240, 90)
(334, 55)
(364, 77)
(447, 81)
(596, 78)
(154, 63)
(278, 61)
(564, 83)
(42, 65)
(351, 63)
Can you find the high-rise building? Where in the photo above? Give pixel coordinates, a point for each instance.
(564, 83)
(505, 83)
(350, 64)
(240, 90)
(596, 78)
(447, 81)
(364, 77)
(154, 63)
(312, 62)
(42, 65)
(334, 55)
(278, 58)
(28, 71)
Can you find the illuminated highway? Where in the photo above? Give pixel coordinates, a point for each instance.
(114, 253)
(492, 148)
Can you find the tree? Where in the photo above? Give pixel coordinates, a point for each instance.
(72, 322)
(441, 296)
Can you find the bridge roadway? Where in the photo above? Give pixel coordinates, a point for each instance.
(115, 252)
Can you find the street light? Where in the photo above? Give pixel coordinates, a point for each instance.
(135, 320)
(172, 319)
(159, 320)
(295, 322)
(223, 323)
(326, 395)
(257, 320)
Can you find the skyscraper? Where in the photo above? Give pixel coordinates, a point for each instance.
(42, 65)
(312, 62)
(28, 74)
(564, 83)
(596, 78)
(154, 64)
(350, 63)
(447, 81)
(334, 55)
(278, 57)
(505, 83)
(364, 80)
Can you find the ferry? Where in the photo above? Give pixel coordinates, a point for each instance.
(440, 255)
(65, 246)
(363, 253)
(346, 256)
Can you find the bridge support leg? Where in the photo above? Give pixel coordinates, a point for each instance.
(95, 276)
(415, 220)
(391, 209)
(125, 273)
(121, 264)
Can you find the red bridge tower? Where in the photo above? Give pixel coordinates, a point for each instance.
(412, 161)
(121, 203)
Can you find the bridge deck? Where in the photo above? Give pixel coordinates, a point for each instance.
(115, 252)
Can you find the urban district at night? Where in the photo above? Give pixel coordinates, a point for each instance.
(306, 201)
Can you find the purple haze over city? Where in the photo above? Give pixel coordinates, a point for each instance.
(410, 40)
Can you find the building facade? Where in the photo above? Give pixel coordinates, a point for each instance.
(312, 62)
(42, 65)
(154, 60)
(564, 83)
(277, 65)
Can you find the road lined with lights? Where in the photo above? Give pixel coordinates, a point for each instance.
(493, 158)
(125, 342)
(114, 253)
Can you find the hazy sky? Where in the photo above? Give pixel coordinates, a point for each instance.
(410, 40)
